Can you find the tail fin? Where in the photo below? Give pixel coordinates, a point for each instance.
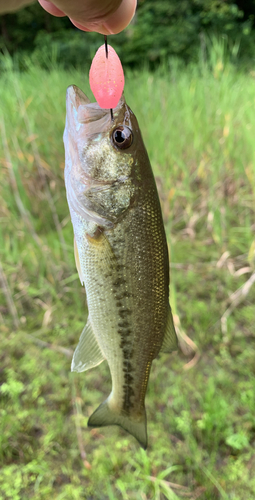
(104, 415)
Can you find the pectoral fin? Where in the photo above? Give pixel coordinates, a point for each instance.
(170, 342)
(87, 353)
(77, 261)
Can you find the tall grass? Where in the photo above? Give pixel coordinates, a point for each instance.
(199, 127)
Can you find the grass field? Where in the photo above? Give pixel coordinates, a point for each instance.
(199, 126)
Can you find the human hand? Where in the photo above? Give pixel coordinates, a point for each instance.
(104, 16)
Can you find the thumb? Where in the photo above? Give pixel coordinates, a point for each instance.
(88, 15)
(113, 24)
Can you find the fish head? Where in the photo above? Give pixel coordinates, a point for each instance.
(101, 150)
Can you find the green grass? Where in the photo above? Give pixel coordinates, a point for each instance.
(199, 126)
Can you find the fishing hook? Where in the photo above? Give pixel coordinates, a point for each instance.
(106, 55)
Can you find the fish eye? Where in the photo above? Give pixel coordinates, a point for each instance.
(122, 137)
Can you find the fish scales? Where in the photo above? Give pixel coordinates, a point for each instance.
(121, 255)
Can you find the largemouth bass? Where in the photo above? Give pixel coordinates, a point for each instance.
(121, 255)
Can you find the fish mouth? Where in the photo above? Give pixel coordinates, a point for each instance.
(86, 116)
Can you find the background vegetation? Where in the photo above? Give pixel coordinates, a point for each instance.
(196, 113)
(161, 29)
(199, 126)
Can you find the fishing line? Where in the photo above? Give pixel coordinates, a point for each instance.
(106, 55)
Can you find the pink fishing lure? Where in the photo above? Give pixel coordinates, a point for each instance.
(106, 78)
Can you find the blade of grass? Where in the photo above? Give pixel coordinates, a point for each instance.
(9, 299)
(23, 212)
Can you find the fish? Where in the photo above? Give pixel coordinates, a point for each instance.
(121, 255)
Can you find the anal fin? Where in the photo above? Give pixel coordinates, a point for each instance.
(87, 353)
(170, 342)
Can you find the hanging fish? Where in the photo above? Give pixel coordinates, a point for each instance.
(121, 255)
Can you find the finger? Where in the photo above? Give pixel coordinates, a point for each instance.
(82, 11)
(114, 23)
(52, 9)
(121, 18)
(92, 15)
